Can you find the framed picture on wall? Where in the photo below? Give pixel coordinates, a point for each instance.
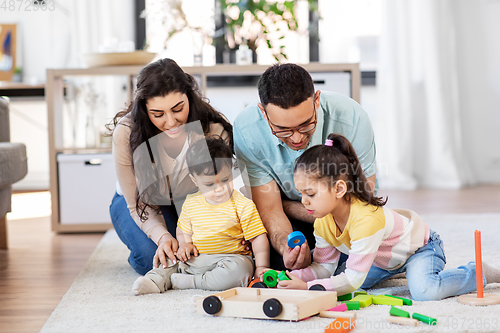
(7, 51)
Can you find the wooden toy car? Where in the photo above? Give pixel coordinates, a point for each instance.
(279, 304)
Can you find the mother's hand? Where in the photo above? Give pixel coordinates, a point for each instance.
(167, 247)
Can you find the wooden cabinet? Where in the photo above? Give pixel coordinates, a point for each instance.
(211, 79)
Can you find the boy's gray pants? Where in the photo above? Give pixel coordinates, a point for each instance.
(211, 271)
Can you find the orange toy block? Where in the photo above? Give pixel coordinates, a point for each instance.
(341, 325)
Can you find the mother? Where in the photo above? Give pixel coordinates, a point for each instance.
(165, 99)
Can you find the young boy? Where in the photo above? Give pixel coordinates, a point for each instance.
(210, 230)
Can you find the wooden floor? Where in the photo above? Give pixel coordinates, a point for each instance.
(40, 266)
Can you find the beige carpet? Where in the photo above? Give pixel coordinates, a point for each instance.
(101, 299)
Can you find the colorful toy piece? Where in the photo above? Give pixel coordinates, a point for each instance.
(402, 321)
(254, 282)
(266, 303)
(282, 276)
(352, 305)
(386, 300)
(479, 298)
(345, 297)
(318, 287)
(339, 308)
(398, 312)
(295, 238)
(270, 278)
(360, 292)
(337, 314)
(406, 301)
(341, 325)
(424, 319)
(364, 300)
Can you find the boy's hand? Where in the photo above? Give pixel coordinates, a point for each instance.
(259, 271)
(293, 283)
(247, 244)
(185, 251)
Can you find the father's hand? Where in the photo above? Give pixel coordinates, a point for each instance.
(167, 247)
(298, 257)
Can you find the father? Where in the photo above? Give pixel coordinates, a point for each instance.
(271, 135)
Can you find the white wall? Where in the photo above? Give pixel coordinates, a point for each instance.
(57, 39)
(479, 75)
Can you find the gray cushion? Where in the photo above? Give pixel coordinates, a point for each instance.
(13, 163)
(4, 120)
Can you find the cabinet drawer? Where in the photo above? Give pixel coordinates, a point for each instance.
(87, 183)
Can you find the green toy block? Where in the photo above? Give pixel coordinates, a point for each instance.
(352, 305)
(270, 278)
(282, 276)
(364, 300)
(424, 319)
(398, 312)
(406, 301)
(345, 297)
(386, 300)
(360, 292)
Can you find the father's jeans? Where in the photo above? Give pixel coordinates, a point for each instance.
(427, 280)
(142, 249)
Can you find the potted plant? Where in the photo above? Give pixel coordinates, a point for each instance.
(252, 22)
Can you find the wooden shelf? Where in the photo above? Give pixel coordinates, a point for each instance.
(54, 94)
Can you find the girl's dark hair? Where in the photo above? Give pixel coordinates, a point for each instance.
(159, 79)
(211, 161)
(338, 162)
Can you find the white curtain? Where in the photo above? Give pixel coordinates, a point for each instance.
(420, 122)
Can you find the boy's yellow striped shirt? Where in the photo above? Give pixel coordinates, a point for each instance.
(220, 228)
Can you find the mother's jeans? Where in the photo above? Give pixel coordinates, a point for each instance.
(142, 249)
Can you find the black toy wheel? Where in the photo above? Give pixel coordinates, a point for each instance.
(259, 285)
(212, 305)
(317, 287)
(272, 307)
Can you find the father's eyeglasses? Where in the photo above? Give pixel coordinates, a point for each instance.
(309, 126)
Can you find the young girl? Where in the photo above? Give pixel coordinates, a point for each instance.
(380, 242)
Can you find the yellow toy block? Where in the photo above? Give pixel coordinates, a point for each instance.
(364, 300)
(386, 300)
(360, 292)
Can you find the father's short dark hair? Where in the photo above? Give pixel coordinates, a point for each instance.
(285, 85)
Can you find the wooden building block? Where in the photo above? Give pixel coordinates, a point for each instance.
(267, 303)
(364, 300)
(402, 321)
(386, 300)
(424, 319)
(398, 312)
(341, 325)
(406, 301)
(352, 305)
(341, 308)
(337, 314)
(360, 292)
(345, 297)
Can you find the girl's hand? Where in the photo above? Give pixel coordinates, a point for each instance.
(185, 251)
(293, 283)
(167, 246)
